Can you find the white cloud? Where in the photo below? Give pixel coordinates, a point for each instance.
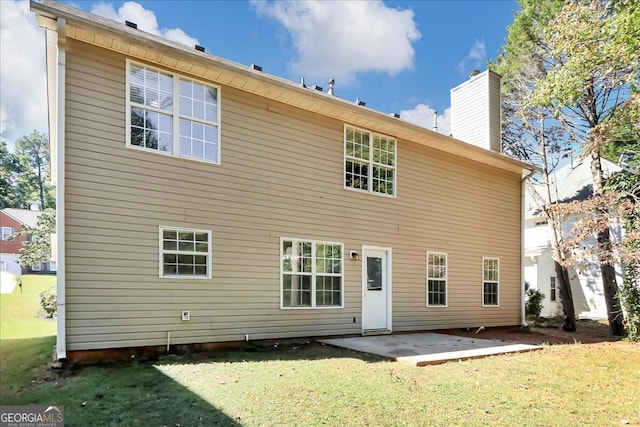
(341, 38)
(23, 104)
(475, 59)
(422, 115)
(144, 18)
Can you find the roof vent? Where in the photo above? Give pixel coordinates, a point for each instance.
(200, 48)
(474, 73)
(302, 82)
(332, 82)
(256, 67)
(131, 24)
(318, 88)
(360, 103)
(396, 115)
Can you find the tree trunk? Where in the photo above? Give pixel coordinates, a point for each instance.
(610, 285)
(566, 298)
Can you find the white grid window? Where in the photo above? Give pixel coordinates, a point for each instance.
(173, 115)
(370, 161)
(490, 281)
(552, 288)
(436, 279)
(7, 233)
(185, 252)
(36, 267)
(311, 274)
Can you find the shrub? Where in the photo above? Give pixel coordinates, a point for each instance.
(49, 302)
(630, 296)
(533, 301)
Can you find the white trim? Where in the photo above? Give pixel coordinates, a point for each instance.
(388, 250)
(497, 281)
(7, 231)
(61, 341)
(161, 274)
(446, 280)
(313, 275)
(175, 114)
(369, 162)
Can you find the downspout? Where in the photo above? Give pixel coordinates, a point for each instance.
(523, 191)
(61, 343)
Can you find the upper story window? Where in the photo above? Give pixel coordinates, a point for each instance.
(173, 115)
(370, 162)
(7, 233)
(490, 281)
(185, 252)
(311, 274)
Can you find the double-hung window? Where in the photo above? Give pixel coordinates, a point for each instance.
(173, 115)
(370, 162)
(311, 274)
(7, 233)
(185, 253)
(436, 279)
(490, 281)
(552, 288)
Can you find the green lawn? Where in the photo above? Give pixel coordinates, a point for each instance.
(19, 310)
(310, 384)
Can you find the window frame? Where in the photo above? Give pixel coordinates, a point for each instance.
(36, 267)
(496, 281)
(370, 162)
(313, 274)
(11, 233)
(175, 113)
(161, 252)
(446, 279)
(553, 288)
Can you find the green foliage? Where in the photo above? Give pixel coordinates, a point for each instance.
(49, 302)
(533, 301)
(10, 171)
(630, 297)
(33, 184)
(38, 250)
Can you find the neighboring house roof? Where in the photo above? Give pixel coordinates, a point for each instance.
(134, 43)
(23, 216)
(572, 182)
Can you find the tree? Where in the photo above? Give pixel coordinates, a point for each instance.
(528, 133)
(592, 88)
(10, 170)
(38, 248)
(32, 153)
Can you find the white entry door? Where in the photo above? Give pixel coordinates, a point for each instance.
(376, 290)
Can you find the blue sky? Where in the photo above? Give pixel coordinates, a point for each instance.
(397, 56)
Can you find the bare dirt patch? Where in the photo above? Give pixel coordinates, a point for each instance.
(547, 331)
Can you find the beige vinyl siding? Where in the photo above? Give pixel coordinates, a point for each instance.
(281, 174)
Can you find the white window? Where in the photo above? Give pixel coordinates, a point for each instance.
(7, 233)
(311, 274)
(436, 279)
(490, 281)
(36, 267)
(185, 253)
(552, 288)
(3, 266)
(172, 115)
(370, 162)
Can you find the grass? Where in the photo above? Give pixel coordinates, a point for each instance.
(310, 384)
(19, 311)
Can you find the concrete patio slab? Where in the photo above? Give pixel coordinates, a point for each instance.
(428, 348)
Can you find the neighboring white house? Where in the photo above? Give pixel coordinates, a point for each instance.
(569, 183)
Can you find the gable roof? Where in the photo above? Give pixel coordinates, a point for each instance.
(573, 182)
(23, 216)
(134, 43)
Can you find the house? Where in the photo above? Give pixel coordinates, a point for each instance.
(204, 201)
(13, 221)
(571, 182)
